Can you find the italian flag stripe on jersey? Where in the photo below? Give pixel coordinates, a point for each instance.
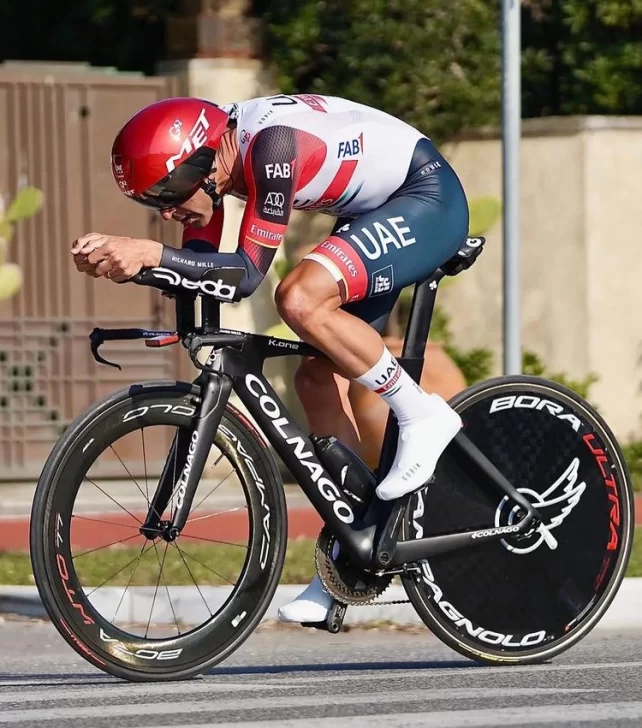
(340, 182)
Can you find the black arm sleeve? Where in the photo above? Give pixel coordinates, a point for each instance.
(195, 257)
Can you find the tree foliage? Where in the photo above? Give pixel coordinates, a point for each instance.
(127, 34)
(434, 64)
(582, 57)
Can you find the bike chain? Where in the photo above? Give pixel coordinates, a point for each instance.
(394, 601)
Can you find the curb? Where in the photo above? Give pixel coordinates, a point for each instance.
(625, 612)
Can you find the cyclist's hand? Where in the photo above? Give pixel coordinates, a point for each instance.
(116, 258)
(84, 266)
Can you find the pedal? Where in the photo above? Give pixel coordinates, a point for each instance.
(334, 621)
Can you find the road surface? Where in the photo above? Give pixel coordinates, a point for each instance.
(301, 678)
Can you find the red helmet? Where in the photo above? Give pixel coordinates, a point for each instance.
(164, 153)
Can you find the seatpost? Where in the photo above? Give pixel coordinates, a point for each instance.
(419, 320)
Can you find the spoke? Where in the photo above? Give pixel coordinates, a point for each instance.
(218, 459)
(198, 561)
(106, 546)
(146, 493)
(122, 596)
(111, 447)
(212, 515)
(213, 540)
(112, 523)
(142, 437)
(180, 553)
(160, 571)
(171, 498)
(178, 629)
(213, 489)
(116, 573)
(113, 499)
(217, 513)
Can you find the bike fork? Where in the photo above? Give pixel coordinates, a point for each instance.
(191, 454)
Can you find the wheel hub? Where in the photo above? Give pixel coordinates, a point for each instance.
(163, 530)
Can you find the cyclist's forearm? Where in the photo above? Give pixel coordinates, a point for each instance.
(194, 259)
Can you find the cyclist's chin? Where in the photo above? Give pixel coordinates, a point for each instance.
(190, 219)
(201, 219)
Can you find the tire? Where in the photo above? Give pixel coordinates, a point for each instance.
(73, 608)
(518, 602)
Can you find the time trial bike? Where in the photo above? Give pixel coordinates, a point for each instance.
(511, 554)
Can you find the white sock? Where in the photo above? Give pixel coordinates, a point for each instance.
(401, 393)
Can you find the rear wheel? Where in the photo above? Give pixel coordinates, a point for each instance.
(143, 607)
(518, 601)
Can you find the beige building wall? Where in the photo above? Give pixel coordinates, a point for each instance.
(581, 294)
(613, 169)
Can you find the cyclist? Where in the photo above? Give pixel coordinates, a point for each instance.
(401, 212)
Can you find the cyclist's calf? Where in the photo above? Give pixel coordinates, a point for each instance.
(323, 392)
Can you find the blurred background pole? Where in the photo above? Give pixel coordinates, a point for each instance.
(511, 128)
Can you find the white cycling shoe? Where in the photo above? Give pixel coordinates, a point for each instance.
(419, 447)
(312, 605)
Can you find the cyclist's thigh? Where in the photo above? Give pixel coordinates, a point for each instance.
(375, 310)
(400, 243)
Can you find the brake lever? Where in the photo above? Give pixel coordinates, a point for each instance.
(99, 336)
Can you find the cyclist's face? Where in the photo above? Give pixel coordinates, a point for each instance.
(197, 211)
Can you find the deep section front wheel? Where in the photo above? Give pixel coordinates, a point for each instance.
(139, 604)
(518, 600)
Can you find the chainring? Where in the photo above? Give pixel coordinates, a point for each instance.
(345, 582)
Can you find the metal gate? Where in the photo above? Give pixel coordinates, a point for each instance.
(56, 130)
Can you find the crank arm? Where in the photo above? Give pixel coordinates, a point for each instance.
(334, 620)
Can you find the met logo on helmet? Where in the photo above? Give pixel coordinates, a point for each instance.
(195, 139)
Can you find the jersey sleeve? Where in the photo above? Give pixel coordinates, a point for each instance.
(200, 253)
(271, 175)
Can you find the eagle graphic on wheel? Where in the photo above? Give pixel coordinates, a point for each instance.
(554, 505)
